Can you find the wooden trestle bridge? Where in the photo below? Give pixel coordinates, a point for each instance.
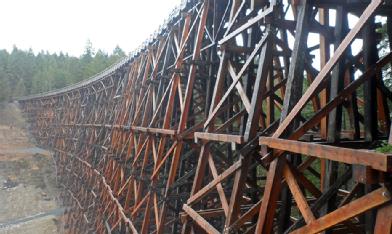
(236, 116)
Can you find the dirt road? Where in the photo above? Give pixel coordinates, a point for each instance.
(28, 191)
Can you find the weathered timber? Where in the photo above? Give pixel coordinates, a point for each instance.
(242, 116)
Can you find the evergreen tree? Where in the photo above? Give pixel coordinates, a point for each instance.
(24, 73)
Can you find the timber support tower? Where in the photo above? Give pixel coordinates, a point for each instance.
(236, 116)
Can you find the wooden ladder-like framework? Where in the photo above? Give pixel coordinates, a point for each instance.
(240, 116)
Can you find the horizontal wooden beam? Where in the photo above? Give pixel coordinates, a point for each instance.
(378, 161)
(154, 130)
(219, 137)
(124, 127)
(208, 213)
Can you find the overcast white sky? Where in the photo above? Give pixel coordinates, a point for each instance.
(66, 25)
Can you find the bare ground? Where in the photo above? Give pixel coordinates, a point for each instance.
(28, 190)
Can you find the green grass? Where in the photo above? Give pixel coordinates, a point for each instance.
(385, 148)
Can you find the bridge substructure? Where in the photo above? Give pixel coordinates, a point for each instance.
(236, 116)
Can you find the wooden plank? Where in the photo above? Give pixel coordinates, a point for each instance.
(202, 192)
(336, 85)
(304, 181)
(237, 191)
(154, 130)
(384, 220)
(230, 121)
(208, 213)
(214, 108)
(147, 219)
(263, 69)
(352, 209)
(293, 93)
(370, 57)
(158, 167)
(219, 186)
(200, 169)
(156, 211)
(252, 21)
(248, 215)
(328, 67)
(274, 177)
(185, 35)
(346, 92)
(299, 197)
(199, 220)
(219, 137)
(240, 89)
(185, 107)
(378, 161)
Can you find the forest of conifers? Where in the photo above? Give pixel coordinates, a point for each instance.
(25, 72)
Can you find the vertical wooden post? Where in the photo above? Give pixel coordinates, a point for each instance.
(335, 116)
(370, 104)
(263, 70)
(324, 57)
(292, 95)
(369, 87)
(186, 108)
(383, 223)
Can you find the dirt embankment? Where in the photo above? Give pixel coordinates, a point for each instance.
(28, 190)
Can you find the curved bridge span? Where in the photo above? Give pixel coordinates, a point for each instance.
(236, 116)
